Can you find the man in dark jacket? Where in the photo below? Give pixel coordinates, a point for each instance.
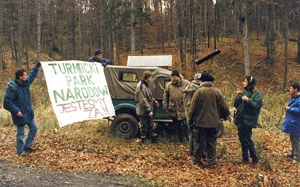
(144, 107)
(207, 108)
(248, 105)
(17, 102)
(98, 58)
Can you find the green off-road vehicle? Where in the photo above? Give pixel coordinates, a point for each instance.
(122, 81)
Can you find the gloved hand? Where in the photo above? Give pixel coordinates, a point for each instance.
(38, 64)
(104, 64)
(109, 62)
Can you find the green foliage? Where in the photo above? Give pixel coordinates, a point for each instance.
(267, 163)
(260, 146)
(273, 111)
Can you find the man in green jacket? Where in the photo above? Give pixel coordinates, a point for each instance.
(173, 103)
(144, 107)
(207, 108)
(248, 104)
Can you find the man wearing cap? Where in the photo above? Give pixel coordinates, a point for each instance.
(207, 108)
(98, 58)
(173, 103)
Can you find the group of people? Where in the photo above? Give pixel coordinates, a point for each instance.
(195, 107)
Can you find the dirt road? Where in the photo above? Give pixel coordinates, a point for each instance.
(12, 174)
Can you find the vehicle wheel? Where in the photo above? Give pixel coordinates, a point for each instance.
(124, 125)
(220, 129)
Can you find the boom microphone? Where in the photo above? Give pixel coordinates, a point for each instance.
(210, 55)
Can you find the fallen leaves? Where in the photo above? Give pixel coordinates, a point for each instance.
(81, 148)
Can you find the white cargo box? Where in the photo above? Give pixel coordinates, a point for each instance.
(150, 61)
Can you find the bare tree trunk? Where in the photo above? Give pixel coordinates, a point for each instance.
(80, 46)
(258, 30)
(141, 33)
(215, 22)
(193, 34)
(38, 33)
(206, 27)
(115, 42)
(20, 33)
(73, 30)
(180, 32)
(26, 39)
(245, 34)
(286, 35)
(90, 37)
(237, 22)
(298, 50)
(115, 48)
(132, 28)
(1, 36)
(162, 23)
(12, 43)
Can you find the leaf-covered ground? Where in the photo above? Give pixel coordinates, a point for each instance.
(89, 147)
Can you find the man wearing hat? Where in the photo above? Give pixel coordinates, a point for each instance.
(98, 58)
(207, 108)
(173, 103)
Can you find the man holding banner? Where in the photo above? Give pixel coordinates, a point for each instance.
(17, 102)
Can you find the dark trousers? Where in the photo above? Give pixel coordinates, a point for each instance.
(191, 139)
(146, 129)
(205, 142)
(295, 141)
(180, 128)
(245, 137)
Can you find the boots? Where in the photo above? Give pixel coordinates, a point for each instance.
(154, 139)
(143, 139)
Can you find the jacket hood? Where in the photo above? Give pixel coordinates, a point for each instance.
(193, 86)
(13, 83)
(195, 82)
(206, 84)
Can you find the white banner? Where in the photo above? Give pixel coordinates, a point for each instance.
(78, 91)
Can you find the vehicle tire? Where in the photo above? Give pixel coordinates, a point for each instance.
(125, 126)
(220, 129)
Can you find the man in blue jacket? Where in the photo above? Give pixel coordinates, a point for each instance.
(98, 58)
(291, 123)
(17, 102)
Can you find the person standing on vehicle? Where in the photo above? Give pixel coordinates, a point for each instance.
(98, 58)
(144, 107)
(248, 105)
(17, 102)
(291, 123)
(207, 108)
(188, 93)
(173, 103)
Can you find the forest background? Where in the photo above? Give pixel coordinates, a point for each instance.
(256, 37)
